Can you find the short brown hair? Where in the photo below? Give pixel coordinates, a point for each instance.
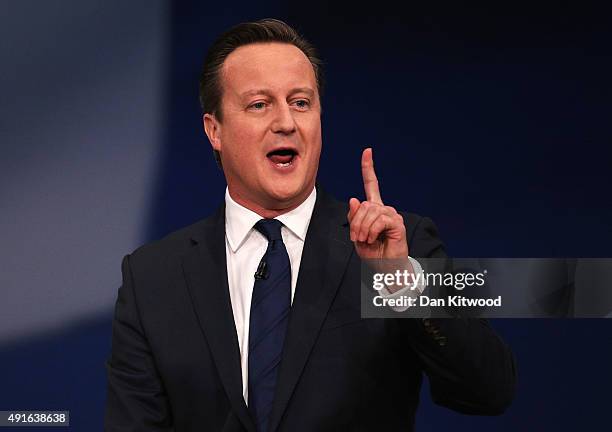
(265, 30)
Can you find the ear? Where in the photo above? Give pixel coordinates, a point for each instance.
(212, 127)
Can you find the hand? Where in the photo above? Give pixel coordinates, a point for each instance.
(377, 230)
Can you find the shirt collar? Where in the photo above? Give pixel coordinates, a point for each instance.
(240, 220)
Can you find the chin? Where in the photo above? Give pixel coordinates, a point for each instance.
(286, 192)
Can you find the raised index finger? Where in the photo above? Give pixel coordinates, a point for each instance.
(370, 182)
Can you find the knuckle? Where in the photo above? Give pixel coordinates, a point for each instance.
(378, 209)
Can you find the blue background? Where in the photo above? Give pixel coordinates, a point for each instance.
(494, 122)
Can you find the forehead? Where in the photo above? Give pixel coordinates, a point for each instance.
(275, 66)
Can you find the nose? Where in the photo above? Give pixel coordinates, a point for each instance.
(283, 122)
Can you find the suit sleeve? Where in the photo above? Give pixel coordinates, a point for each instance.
(136, 400)
(470, 368)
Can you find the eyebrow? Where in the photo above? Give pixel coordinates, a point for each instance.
(307, 90)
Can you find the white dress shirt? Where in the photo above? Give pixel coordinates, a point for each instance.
(244, 248)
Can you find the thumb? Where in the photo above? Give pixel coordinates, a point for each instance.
(353, 207)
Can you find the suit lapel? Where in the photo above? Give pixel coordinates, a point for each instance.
(206, 273)
(324, 259)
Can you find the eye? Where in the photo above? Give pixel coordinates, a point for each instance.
(257, 106)
(302, 103)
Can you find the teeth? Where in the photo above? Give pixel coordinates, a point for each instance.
(283, 164)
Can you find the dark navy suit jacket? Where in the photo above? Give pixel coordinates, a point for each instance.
(175, 362)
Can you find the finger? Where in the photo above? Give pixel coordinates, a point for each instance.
(370, 182)
(374, 212)
(353, 207)
(358, 218)
(380, 225)
(390, 211)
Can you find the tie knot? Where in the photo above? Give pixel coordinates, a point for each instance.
(270, 228)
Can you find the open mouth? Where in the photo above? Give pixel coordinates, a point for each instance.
(282, 157)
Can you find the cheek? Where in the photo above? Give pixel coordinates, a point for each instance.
(242, 140)
(311, 132)
(314, 141)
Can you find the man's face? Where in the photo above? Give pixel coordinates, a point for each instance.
(270, 135)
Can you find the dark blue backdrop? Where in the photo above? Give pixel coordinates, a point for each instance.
(494, 122)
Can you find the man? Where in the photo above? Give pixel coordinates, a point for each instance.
(249, 320)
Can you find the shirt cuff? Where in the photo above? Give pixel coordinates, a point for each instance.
(408, 289)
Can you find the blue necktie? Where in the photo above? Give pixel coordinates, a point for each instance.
(270, 307)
